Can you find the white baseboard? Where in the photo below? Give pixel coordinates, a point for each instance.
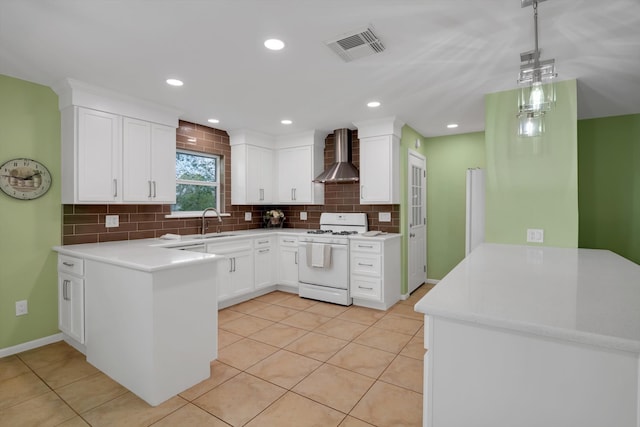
(433, 281)
(30, 345)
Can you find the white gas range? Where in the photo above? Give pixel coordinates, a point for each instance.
(323, 267)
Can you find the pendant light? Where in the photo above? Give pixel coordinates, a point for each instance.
(537, 91)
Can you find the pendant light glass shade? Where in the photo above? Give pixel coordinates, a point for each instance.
(537, 93)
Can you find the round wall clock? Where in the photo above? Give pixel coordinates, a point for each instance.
(24, 179)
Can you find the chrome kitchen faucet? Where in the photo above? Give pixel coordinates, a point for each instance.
(204, 220)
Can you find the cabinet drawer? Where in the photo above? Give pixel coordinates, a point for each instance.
(366, 246)
(366, 264)
(71, 265)
(223, 249)
(263, 242)
(288, 241)
(366, 288)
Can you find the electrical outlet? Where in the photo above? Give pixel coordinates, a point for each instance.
(247, 216)
(21, 307)
(535, 235)
(384, 216)
(303, 216)
(112, 221)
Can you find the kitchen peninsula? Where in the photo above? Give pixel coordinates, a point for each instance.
(531, 336)
(143, 315)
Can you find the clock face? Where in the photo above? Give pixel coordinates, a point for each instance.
(24, 179)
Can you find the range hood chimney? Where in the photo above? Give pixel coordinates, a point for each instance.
(342, 170)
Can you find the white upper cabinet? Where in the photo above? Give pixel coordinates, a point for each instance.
(252, 168)
(115, 149)
(91, 170)
(148, 162)
(379, 161)
(300, 159)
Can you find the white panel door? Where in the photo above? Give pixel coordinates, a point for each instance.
(98, 156)
(417, 220)
(294, 175)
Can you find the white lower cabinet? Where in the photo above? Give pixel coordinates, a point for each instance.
(288, 261)
(235, 276)
(375, 272)
(264, 257)
(71, 297)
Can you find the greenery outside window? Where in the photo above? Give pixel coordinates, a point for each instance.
(197, 182)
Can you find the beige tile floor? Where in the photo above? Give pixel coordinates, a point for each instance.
(283, 361)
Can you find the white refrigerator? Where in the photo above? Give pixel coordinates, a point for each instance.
(474, 234)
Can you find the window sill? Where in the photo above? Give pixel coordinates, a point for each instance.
(194, 214)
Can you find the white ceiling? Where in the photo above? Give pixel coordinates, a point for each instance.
(441, 57)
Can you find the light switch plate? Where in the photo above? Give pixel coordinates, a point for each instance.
(247, 216)
(112, 221)
(384, 216)
(303, 216)
(22, 308)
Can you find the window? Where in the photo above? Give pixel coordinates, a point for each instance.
(197, 182)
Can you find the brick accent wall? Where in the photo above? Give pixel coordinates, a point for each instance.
(86, 223)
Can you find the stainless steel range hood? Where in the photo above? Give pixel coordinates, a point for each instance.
(342, 170)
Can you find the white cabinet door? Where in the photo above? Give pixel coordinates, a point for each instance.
(295, 169)
(379, 183)
(136, 160)
(259, 175)
(288, 266)
(264, 267)
(148, 162)
(71, 306)
(242, 274)
(251, 175)
(163, 163)
(98, 143)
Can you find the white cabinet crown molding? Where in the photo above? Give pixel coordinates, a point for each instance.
(73, 92)
(378, 127)
(251, 137)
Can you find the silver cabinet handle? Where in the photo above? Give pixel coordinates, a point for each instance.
(263, 250)
(154, 189)
(115, 187)
(149, 188)
(65, 290)
(364, 287)
(296, 258)
(261, 242)
(288, 241)
(234, 264)
(262, 194)
(230, 265)
(366, 246)
(365, 265)
(68, 264)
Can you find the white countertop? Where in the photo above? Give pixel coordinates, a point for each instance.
(582, 295)
(157, 254)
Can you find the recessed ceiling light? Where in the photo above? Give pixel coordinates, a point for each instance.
(174, 82)
(286, 122)
(452, 125)
(373, 104)
(213, 121)
(274, 44)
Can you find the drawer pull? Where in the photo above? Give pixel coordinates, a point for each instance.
(364, 287)
(155, 193)
(261, 242)
(263, 251)
(365, 265)
(366, 246)
(288, 241)
(68, 264)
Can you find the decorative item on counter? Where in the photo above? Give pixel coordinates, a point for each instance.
(273, 218)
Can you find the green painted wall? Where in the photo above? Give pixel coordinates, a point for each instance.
(448, 158)
(609, 184)
(29, 127)
(532, 182)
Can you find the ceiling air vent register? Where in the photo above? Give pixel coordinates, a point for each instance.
(356, 44)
